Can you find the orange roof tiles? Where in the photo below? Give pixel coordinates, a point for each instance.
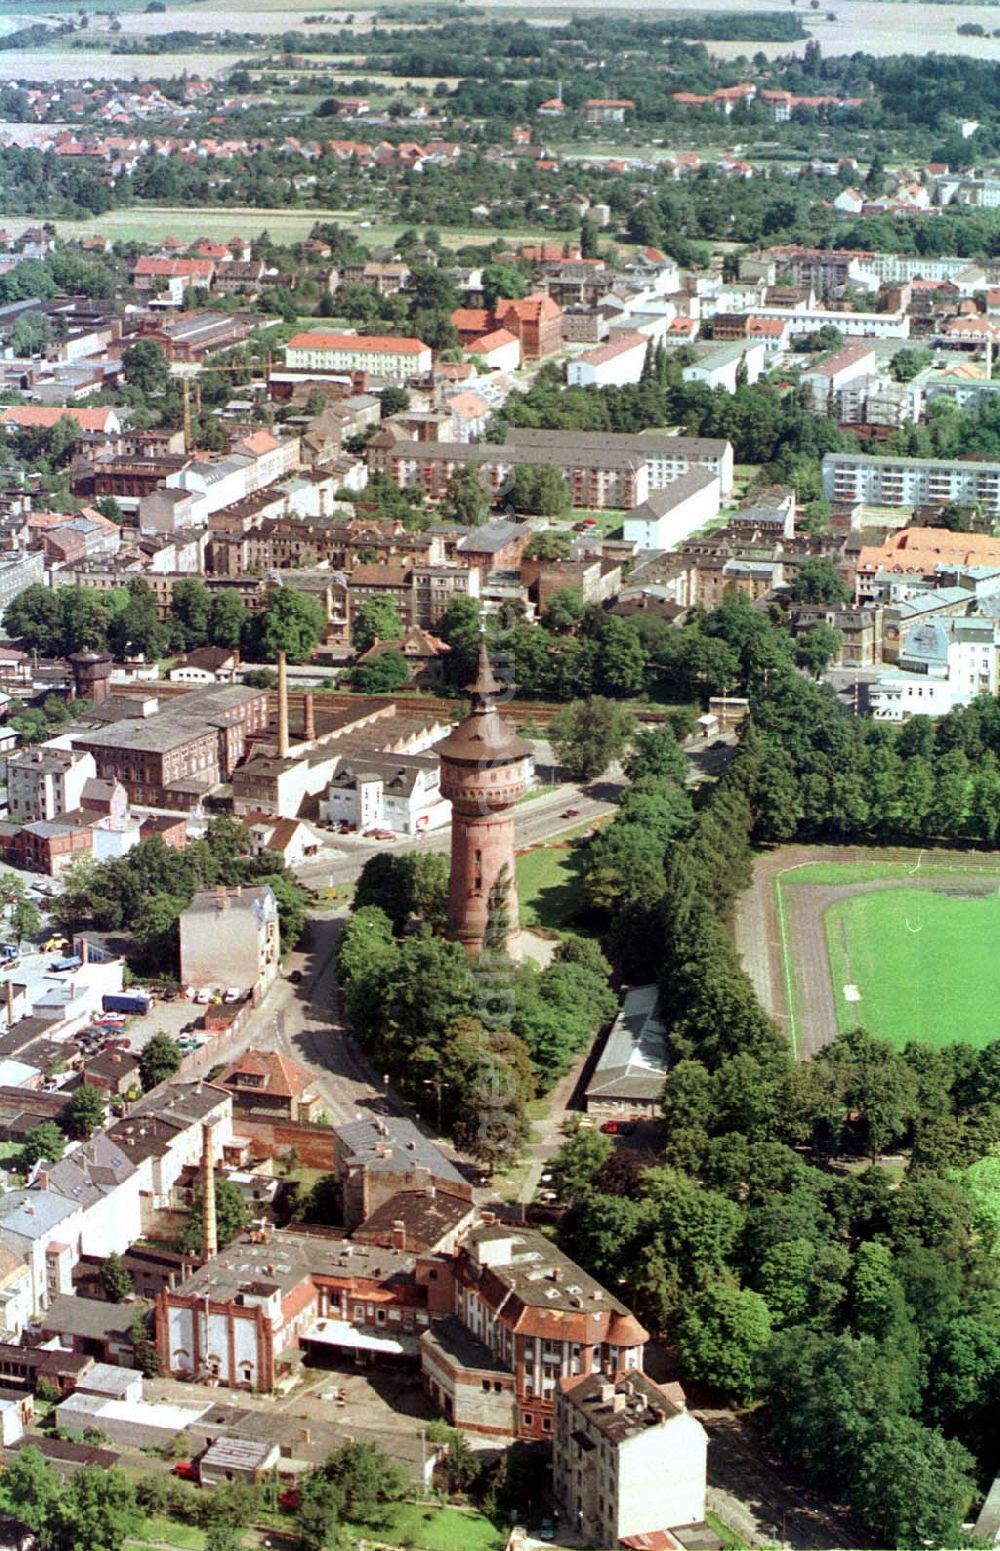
(386, 342)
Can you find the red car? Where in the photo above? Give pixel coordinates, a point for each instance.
(289, 1498)
(186, 1470)
(618, 1127)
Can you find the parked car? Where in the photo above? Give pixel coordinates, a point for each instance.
(187, 1470)
(570, 813)
(233, 994)
(618, 1127)
(289, 1498)
(548, 1529)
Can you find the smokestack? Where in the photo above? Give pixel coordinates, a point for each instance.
(282, 707)
(10, 1004)
(308, 718)
(84, 951)
(209, 1231)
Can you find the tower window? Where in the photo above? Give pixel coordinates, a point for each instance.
(478, 878)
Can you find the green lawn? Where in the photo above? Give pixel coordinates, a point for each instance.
(434, 1529)
(169, 1533)
(921, 964)
(548, 886)
(927, 863)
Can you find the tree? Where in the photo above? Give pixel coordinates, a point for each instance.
(564, 610)
(191, 606)
(468, 500)
(721, 1334)
(35, 618)
(367, 1479)
(226, 619)
(318, 1514)
(85, 1111)
(817, 580)
(404, 886)
(590, 735)
(96, 1507)
(291, 623)
(158, 1060)
(906, 363)
(376, 619)
(549, 544)
(44, 1141)
(231, 1216)
(393, 401)
(25, 918)
(220, 1535)
(817, 646)
(31, 1487)
(146, 368)
(135, 630)
(462, 1463)
(913, 1486)
(502, 281)
(588, 238)
(656, 752)
(32, 331)
(382, 674)
(540, 489)
(115, 1279)
(578, 1162)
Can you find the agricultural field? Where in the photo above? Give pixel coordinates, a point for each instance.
(901, 942)
(151, 223)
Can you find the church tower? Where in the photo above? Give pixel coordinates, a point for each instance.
(484, 770)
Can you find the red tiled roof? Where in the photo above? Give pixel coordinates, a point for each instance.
(44, 417)
(386, 342)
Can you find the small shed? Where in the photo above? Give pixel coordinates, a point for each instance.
(238, 1459)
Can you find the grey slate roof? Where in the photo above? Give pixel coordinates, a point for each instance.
(633, 1063)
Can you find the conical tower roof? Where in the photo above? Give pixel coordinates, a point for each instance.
(483, 737)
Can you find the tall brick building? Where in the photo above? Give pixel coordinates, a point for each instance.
(484, 770)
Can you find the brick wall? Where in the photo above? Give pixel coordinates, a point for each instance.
(272, 1138)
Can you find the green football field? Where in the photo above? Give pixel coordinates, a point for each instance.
(912, 963)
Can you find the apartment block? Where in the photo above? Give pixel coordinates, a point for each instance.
(858, 478)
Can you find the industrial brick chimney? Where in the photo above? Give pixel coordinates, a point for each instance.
(209, 1229)
(282, 706)
(308, 718)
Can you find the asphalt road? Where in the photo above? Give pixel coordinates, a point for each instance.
(536, 820)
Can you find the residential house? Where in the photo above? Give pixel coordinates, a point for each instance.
(266, 1081)
(629, 1461)
(229, 937)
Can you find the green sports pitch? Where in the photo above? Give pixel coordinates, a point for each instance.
(918, 963)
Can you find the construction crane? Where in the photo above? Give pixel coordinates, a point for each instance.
(186, 381)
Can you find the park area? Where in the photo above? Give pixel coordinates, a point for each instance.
(904, 943)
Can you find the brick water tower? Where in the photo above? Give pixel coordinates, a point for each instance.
(484, 770)
(91, 675)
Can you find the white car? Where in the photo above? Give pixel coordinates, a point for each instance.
(204, 996)
(233, 994)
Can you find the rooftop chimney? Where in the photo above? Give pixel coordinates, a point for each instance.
(308, 718)
(10, 1004)
(209, 1231)
(399, 1236)
(282, 707)
(619, 1400)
